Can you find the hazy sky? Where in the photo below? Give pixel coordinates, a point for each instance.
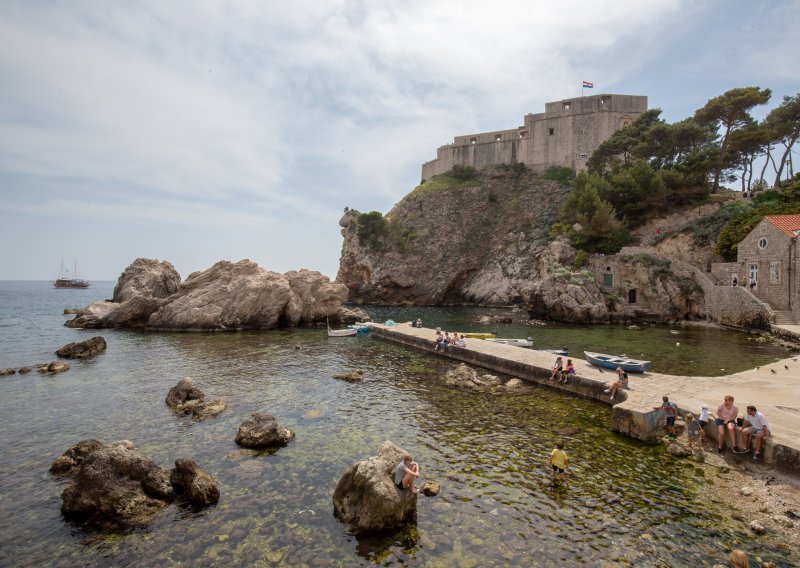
(207, 130)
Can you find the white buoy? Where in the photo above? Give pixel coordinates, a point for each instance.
(677, 345)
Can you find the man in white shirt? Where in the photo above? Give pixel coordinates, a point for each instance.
(755, 423)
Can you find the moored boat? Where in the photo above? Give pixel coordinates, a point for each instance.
(613, 361)
(479, 335)
(359, 327)
(347, 332)
(563, 352)
(515, 342)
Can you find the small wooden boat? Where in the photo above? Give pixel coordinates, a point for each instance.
(614, 361)
(563, 352)
(515, 342)
(359, 327)
(479, 335)
(349, 332)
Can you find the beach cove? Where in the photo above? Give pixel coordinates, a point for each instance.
(488, 450)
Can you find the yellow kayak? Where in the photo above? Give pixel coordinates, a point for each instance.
(479, 335)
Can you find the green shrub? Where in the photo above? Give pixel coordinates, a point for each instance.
(580, 259)
(372, 229)
(561, 174)
(463, 173)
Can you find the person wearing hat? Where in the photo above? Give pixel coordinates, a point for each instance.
(702, 419)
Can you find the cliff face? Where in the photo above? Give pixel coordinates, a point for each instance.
(481, 241)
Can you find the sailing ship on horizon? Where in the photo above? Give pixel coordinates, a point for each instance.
(63, 280)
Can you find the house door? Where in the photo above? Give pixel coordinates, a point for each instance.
(753, 275)
(734, 279)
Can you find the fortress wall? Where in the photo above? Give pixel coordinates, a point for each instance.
(566, 134)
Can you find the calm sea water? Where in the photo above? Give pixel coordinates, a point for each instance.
(625, 503)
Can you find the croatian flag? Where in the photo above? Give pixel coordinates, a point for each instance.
(588, 85)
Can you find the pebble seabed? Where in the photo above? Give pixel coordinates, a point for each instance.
(625, 503)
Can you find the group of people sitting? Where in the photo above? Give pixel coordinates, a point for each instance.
(560, 372)
(445, 340)
(753, 425)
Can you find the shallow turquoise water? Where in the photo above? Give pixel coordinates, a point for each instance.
(489, 451)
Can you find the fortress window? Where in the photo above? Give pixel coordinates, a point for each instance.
(497, 137)
(552, 131)
(566, 106)
(522, 134)
(473, 140)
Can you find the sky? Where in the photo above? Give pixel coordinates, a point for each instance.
(202, 131)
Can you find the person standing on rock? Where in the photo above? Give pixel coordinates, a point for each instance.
(693, 432)
(726, 420)
(405, 473)
(703, 420)
(755, 424)
(670, 411)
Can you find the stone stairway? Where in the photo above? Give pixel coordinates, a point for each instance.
(785, 318)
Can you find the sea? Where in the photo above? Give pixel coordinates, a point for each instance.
(625, 503)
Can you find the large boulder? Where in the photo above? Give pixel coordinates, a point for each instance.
(117, 486)
(366, 497)
(464, 377)
(193, 484)
(83, 349)
(182, 392)
(147, 277)
(262, 431)
(70, 461)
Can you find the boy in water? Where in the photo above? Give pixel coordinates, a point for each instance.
(559, 461)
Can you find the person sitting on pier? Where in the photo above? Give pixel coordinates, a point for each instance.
(419, 322)
(439, 345)
(755, 423)
(726, 420)
(405, 473)
(462, 341)
(558, 368)
(570, 370)
(620, 383)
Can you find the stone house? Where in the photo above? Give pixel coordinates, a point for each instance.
(767, 257)
(565, 134)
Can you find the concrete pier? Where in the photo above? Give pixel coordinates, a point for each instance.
(774, 389)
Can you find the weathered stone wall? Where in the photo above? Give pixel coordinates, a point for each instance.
(772, 263)
(723, 273)
(566, 134)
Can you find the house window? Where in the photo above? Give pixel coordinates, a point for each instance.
(497, 138)
(775, 272)
(552, 131)
(608, 280)
(473, 140)
(762, 243)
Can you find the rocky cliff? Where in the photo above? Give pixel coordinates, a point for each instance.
(485, 241)
(477, 241)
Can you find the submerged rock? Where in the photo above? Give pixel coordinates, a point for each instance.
(464, 377)
(24, 370)
(53, 367)
(185, 398)
(117, 486)
(262, 431)
(431, 488)
(83, 349)
(6, 372)
(350, 376)
(193, 484)
(71, 460)
(366, 497)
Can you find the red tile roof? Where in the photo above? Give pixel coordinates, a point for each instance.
(786, 223)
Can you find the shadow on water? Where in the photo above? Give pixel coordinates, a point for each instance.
(623, 502)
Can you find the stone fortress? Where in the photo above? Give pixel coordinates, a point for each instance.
(565, 134)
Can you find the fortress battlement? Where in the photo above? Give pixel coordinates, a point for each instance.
(565, 134)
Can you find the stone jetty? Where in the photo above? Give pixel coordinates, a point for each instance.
(773, 388)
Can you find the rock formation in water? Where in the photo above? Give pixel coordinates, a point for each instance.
(6, 372)
(262, 431)
(366, 498)
(53, 367)
(116, 486)
(83, 349)
(187, 399)
(350, 376)
(227, 296)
